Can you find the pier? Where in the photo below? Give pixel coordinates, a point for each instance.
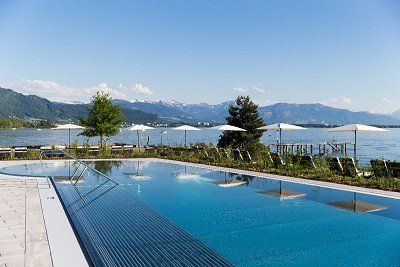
(311, 148)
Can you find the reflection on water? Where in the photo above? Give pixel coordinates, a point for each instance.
(105, 166)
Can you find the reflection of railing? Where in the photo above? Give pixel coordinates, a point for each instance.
(74, 178)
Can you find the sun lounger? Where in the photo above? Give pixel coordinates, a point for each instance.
(247, 157)
(116, 149)
(267, 158)
(94, 150)
(60, 147)
(224, 152)
(335, 165)
(379, 168)
(5, 153)
(350, 168)
(237, 155)
(277, 160)
(204, 150)
(296, 159)
(307, 162)
(127, 150)
(20, 152)
(45, 148)
(394, 168)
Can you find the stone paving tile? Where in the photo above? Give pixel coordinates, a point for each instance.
(23, 237)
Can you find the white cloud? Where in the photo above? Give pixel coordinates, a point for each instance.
(141, 89)
(240, 89)
(340, 102)
(386, 100)
(258, 88)
(61, 93)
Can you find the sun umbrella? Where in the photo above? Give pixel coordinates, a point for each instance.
(281, 127)
(228, 127)
(68, 127)
(356, 128)
(186, 128)
(139, 127)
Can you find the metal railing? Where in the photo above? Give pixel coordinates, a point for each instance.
(74, 178)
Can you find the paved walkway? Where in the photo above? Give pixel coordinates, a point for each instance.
(23, 238)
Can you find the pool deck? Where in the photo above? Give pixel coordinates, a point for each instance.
(34, 230)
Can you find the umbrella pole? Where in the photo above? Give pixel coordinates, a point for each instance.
(185, 138)
(280, 140)
(138, 141)
(69, 138)
(355, 145)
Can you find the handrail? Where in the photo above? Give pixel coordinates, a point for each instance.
(75, 159)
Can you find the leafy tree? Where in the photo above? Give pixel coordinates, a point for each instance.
(103, 119)
(244, 115)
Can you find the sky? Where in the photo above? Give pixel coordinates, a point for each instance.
(342, 53)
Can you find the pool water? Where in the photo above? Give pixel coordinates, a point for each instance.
(239, 223)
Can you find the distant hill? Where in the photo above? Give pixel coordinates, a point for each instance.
(320, 114)
(13, 104)
(173, 111)
(282, 112)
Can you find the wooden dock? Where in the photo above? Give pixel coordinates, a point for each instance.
(311, 148)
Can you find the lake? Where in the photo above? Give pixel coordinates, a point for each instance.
(370, 145)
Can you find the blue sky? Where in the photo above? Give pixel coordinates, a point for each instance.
(343, 53)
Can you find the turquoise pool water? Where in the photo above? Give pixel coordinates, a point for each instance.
(242, 225)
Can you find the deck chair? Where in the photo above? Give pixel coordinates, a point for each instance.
(247, 157)
(116, 149)
(296, 159)
(307, 161)
(277, 160)
(237, 154)
(20, 152)
(224, 152)
(267, 159)
(206, 152)
(94, 150)
(379, 168)
(350, 168)
(335, 165)
(394, 168)
(5, 153)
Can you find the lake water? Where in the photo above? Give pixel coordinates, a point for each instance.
(370, 145)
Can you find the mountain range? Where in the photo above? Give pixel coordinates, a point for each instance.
(13, 104)
(281, 112)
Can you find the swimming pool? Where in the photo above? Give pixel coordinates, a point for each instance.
(262, 222)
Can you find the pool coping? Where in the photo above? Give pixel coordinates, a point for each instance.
(343, 187)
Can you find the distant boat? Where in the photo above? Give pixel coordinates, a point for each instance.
(38, 129)
(14, 129)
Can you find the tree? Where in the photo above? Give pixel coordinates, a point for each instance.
(243, 114)
(103, 119)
